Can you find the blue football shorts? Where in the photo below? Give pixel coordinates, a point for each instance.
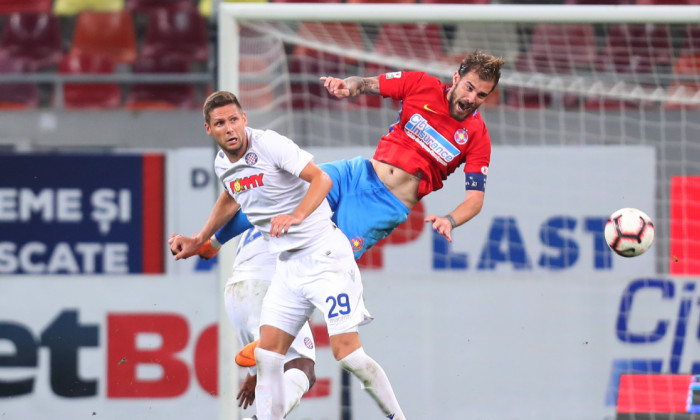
(364, 209)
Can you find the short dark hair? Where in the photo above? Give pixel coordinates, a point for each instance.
(217, 100)
(487, 66)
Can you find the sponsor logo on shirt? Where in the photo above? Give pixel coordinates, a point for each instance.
(461, 136)
(394, 75)
(419, 130)
(242, 184)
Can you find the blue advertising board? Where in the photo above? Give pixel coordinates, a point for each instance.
(81, 214)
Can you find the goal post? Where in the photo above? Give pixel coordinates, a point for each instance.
(575, 75)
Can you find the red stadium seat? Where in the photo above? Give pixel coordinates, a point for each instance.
(161, 96)
(182, 33)
(554, 49)
(107, 33)
(16, 96)
(686, 66)
(311, 64)
(255, 95)
(34, 37)
(23, 6)
(147, 6)
(458, 1)
(411, 41)
(636, 48)
(691, 41)
(560, 48)
(601, 2)
(381, 1)
(89, 95)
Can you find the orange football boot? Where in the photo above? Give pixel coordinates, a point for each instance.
(246, 357)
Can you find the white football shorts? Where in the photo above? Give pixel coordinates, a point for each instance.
(324, 276)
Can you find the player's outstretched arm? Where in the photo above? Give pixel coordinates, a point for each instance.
(351, 86)
(224, 209)
(465, 211)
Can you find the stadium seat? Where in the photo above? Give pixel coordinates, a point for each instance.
(89, 95)
(411, 41)
(24, 6)
(555, 49)
(600, 2)
(73, 7)
(691, 41)
(381, 1)
(635, 48)
(181, 33)
(687, 69)
(561, 48)
(147, 6)
(161, 96)
(458, 1)
(108, 33)
(255, 95)
(305, 1)
(34, 37)
(306, 65)
(17, 96)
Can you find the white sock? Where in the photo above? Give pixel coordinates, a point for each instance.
(269, 391)
(296, 384)
(374, 381)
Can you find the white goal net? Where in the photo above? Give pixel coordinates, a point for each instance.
(574, 76)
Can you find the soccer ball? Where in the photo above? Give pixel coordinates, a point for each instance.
(629, 232)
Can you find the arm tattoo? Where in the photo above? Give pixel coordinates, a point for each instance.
(370, 85)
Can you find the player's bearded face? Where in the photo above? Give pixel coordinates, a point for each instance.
(467, 94)
(227, 126)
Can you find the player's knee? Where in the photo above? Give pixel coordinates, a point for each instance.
(305, 365)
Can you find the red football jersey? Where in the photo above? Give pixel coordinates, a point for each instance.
(426, 140)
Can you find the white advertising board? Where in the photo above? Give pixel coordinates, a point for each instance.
(533, 347)
(114, 347)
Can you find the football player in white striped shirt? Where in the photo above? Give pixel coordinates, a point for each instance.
(283, 193)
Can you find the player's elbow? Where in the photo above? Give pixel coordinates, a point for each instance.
(325, 182)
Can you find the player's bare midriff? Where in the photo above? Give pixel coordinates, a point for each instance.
(402, 184)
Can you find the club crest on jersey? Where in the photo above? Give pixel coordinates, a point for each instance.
(357, 243)
(242, 184)
(308, 343)
(461, 136)
(251, 159)
(424, 134)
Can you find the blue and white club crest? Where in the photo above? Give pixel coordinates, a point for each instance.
(461, 136)
(251, 159)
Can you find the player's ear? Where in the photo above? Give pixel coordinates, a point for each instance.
(455, 78)
(207, 128)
